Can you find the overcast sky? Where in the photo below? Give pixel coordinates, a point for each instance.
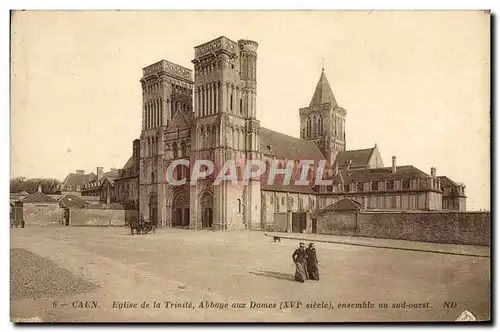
(415, 83)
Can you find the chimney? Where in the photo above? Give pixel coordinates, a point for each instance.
(433, 172)
(99, 173)
(80, 171)
(336, 169)
(393, 164)
(40, 188)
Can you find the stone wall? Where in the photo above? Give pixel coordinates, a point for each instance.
(40, 214)
(95, 217)
(338, 223)
(429, 226)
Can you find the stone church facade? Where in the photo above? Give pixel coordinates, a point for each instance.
(212, 115)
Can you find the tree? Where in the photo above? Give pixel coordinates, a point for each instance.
(49, 186)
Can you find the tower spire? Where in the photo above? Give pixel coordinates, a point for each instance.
(323, 92)
(323, 64)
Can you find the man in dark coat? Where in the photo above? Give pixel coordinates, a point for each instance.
(312, 262)
(299, 258)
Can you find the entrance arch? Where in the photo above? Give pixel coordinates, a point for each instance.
(180, 211)
(207, 208)
(153, 209)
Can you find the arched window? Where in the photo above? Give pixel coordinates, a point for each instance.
(271, 200)
(239, 172)
(239, 205)
(310, 174)
(174, 149)
(208, 135)
(233, 137)
(241, 106)
(214, 136)
(183, 149)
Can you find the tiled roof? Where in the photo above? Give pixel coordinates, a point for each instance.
(379, 174)
(38, 197)
(129, 164)
(288, 188)
(129, 170)
(287, 147)
(357, 157)
(72, 201)
(323, 93)
(111, 174)
(447, 182)
(89, 199)
(74, 179)
(344, 204)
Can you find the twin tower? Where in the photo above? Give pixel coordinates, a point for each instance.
(210, 118)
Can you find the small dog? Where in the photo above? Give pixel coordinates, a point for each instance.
(275, 238)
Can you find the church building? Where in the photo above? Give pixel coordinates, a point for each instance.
(212, 115)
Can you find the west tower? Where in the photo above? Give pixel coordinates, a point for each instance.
(225, 128)
(167, 90)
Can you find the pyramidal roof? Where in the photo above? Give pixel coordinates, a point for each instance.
(323, 93)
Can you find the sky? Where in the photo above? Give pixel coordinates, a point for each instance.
(417, 84)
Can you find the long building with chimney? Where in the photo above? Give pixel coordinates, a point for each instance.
(213, 115)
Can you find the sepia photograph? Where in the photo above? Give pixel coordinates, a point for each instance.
(250, 166)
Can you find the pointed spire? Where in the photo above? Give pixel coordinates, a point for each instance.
(323, 93)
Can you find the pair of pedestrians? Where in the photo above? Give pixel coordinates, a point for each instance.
(306, 263)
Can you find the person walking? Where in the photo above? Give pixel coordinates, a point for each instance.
(300, 258)
(312, 262)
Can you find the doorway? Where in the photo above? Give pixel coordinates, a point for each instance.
(206, 211)
(66, 217)
(153, 209)
(180, 210)
(298, 222)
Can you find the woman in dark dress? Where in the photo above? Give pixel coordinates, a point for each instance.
(312, 262)
(299, 258)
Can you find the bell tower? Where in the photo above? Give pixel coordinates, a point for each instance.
(225, 129)
(323, 121)
(166, 89)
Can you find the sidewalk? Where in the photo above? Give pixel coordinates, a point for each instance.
(389, 244)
